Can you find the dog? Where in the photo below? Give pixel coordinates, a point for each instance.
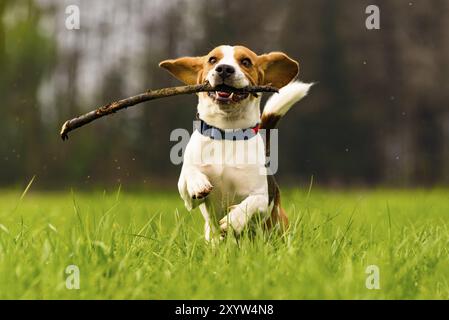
(231, 194)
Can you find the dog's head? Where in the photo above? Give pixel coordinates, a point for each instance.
(235, 67)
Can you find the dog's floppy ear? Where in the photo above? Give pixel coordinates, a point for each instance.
(186, 69)
(278, 69)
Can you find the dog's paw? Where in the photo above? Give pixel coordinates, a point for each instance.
(199, 186)
(235, 220)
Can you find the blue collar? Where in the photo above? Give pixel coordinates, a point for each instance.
(232, 134)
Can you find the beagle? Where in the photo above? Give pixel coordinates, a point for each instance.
(224, 171)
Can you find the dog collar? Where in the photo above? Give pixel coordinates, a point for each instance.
(229, 134)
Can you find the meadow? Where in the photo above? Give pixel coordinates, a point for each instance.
(145, 245)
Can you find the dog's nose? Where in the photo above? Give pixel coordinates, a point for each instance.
(225, 70)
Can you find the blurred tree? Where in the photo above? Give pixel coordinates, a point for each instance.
(26, 58)
(378, 114)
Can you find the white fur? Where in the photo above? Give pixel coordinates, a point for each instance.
(239, 187)
(279, 103)
(245, 114)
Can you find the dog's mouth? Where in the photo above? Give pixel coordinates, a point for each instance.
(227, 95)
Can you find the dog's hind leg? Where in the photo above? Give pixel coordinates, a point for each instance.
(277, 216)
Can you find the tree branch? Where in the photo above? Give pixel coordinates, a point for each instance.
(113, 107)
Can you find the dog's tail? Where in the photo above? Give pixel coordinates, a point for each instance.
(279, 103)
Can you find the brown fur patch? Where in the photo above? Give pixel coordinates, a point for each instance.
(278, 69)
(192, 70)
(186, 69)
(277, 215)
(252, 72)
(267, 122)
(216, 53)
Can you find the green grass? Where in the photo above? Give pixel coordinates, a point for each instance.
(145, 245)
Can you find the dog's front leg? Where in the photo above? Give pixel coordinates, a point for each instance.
(241, 214)
(211, 233)
(193, 186)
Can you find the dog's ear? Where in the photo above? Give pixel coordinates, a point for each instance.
(277, 68)
(186, 69)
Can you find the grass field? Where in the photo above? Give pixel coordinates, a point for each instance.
(145, 245)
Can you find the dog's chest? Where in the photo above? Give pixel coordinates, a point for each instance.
(235, 168)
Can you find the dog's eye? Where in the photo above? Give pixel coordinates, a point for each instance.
(246, 62)
(212, 60)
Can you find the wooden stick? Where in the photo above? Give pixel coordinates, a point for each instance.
(113, 107)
